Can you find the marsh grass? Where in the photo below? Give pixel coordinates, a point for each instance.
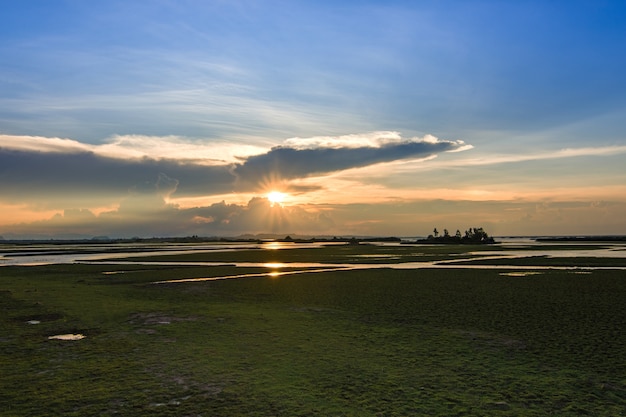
(577, 261)
(349, 343)
(364, 253)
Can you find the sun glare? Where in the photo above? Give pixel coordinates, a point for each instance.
(276, 197)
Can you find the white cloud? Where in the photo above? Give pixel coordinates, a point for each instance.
(139, 146)
(463, 147)
(493, 159)
(372, 140)
(43, 144)
(176, 147)
(561, 153)
(375, 139)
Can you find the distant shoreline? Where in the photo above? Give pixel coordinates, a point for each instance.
(582, 239)
(298, 239)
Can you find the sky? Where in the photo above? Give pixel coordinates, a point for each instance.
(346, 118)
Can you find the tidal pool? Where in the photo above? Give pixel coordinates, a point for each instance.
(519, 274)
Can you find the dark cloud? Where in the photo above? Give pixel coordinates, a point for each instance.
(29, 175)
(289, 163)
(86, 179)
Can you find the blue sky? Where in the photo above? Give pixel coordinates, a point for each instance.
(506, 115)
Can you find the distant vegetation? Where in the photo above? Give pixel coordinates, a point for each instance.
(98, 240)
(472, 236)
(335, 239)
(582, 239)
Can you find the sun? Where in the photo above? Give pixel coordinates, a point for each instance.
(276, 197)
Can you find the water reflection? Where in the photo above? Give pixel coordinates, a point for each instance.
(274, 265)
(35, 255)
(525, 270)
(274, 245)
(272, 274)
(592, 252)
(511, 249)
(39, 255)
(520, 274)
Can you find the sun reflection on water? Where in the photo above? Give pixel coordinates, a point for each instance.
(274, 265)
(274, 245)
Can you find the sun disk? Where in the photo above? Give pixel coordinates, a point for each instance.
(276, 197)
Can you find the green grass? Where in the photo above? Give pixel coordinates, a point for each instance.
(347, 343)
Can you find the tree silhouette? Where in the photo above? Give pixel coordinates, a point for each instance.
(473, 235)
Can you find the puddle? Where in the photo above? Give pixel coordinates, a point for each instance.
(520, 273)
(33, 322)
(68, 336)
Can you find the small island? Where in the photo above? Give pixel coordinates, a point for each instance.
(472, 236)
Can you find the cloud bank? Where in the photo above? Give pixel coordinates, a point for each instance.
(300, 158)
(103, 190)
(131, 185)
(33, 167)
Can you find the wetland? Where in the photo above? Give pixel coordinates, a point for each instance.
(522, 328)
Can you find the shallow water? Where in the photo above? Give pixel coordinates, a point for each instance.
(63, 254)
(315, 268)
(519, 274)
(614, 251)
(43, 255)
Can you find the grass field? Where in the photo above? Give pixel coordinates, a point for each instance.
(374, 342)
